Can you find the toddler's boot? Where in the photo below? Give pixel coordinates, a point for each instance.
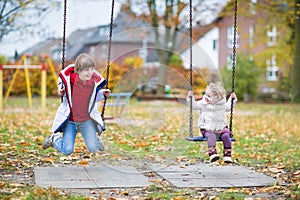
(213, 155)
(227, 156)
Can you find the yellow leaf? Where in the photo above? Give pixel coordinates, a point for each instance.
(3, 148)
(181, 158)
(83, 162)
(25, 144)
(51, 160)
(141, 144)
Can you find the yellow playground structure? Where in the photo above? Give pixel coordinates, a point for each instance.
(25, 63)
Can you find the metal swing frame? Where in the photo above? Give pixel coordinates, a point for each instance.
(191, 137)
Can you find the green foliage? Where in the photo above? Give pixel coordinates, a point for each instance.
(175, 61)
(232, 196)
(247, 77)
(296, 69)
(19, 86)
(2, 59)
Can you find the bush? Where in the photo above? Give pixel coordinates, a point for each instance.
(247, 78)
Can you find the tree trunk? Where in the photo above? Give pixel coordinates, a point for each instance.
(296, 68)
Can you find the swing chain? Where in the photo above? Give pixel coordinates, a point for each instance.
(191, 72)
(109, 53)
(233, 62)
(64, 35)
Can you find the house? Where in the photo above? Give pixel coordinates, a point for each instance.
(131, 37)
(48, 47)
(205, 51)
(215, 46)
(259, 34)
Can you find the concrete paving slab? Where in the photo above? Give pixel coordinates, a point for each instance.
(89, 177)
(63, 177)
(195, 183)
(114, 176)
(181, 176)
(207, 176)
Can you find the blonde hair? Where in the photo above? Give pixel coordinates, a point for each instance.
(83, 61)
(217, 90)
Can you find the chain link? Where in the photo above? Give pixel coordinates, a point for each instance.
(64, 36)
(191, 71)
(109, 53)
(233, 63)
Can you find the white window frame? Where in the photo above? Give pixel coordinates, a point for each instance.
(229, 61)
(230, 34)
(272, 36)
(215, 45)
(251, 35)
(252, 7)
(272, 69)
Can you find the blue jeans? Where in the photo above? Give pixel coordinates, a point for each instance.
(88, 131)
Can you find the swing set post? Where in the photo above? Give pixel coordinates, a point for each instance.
(23, 64)
(43, 86)
(1, 88)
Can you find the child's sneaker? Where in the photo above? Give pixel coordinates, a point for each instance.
(227, 159)
(214, 157)
(101, 145)
(48, 141)
(227, 156)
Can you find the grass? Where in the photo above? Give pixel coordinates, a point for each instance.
(267, 135)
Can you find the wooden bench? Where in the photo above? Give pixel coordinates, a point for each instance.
(117, 102)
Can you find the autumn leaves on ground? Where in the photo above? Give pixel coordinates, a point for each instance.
(268, 137)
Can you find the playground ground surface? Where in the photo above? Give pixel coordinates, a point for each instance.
(149, 144)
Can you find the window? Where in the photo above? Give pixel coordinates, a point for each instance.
(251, 35)
(252, 7)
(272, 69)
(230, 37)
(215, 45)
(230, 34)
(229, 61)
(272, 36)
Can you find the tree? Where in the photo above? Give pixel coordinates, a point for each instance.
(19, 15)
(296, 68)
(247, 78)
(168, 18)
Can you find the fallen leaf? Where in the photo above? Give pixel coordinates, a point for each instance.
(51, 160)
(25, 144)
(83, 162)
(141, 144)
(296, 173)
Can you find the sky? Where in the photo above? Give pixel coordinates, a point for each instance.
(81, 14)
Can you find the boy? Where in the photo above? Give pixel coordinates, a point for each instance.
(81, 87)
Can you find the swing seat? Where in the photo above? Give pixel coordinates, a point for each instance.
(202, 139)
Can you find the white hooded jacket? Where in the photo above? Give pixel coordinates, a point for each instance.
(212, 116)
(64, 110)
